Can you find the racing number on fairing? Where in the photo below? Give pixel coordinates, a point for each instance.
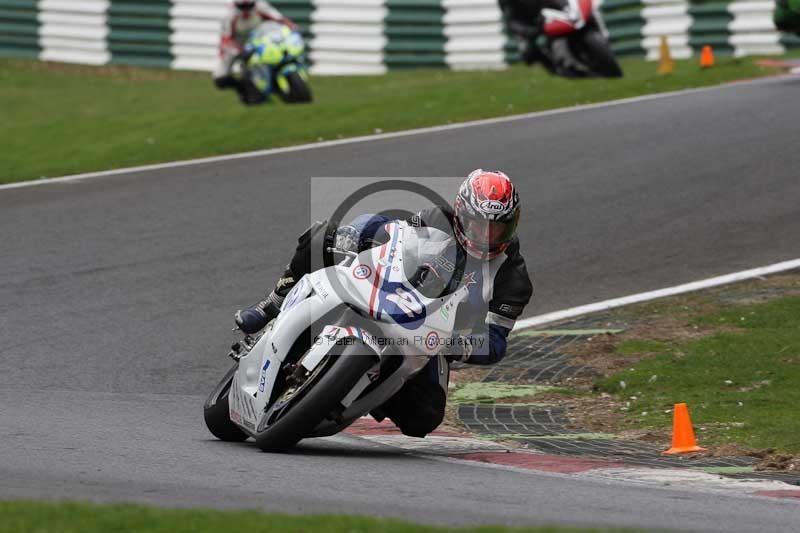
(402, 305)
(405, 303)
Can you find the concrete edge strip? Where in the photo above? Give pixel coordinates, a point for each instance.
(390, 135)
(659, 293)
(589, 469)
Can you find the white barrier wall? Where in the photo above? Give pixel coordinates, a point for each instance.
(474, 33)
(365, 36)
(74, 31)
(195, 26)
(752, 30)
(669, 18)
(348, 36)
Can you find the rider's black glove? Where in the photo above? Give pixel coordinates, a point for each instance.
(457, 351)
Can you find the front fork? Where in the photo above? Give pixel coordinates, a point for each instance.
(261, 77)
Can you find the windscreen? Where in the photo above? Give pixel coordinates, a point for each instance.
(429, 261)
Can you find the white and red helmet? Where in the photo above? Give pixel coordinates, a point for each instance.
(486, 213)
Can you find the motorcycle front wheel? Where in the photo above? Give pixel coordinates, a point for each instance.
(295, 90)
(316, 398)
(592, 49)
(216, 411)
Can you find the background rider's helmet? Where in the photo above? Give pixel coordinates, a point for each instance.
(245, 5)
(486, 213)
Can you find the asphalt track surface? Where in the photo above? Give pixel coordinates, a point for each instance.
(116, 297)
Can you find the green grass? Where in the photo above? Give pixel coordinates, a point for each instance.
(482, 392)
(741, 383)
(640, 346)
(61, 119)
(37, 517)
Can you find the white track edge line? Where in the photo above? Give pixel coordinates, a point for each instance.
(389, 135)
(659, 293)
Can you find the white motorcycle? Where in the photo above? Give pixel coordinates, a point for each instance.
(347, 338)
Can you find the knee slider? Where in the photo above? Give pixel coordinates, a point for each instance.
(421, 423)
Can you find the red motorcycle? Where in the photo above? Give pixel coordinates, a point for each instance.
(577, 40)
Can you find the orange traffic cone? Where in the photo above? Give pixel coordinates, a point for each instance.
(665, 63)
(683, 440)
(707, 57)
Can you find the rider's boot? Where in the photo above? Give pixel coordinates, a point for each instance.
(230, 82)
(255, 318)
(225, 82)
(534, 54)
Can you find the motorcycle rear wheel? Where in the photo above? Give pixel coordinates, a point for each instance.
(216, 411)
(332, 383)
(249, 94)
(592, 49)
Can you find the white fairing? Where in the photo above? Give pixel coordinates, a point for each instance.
(393, 317)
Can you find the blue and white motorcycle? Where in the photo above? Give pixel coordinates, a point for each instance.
(274, 61)
(347, 338)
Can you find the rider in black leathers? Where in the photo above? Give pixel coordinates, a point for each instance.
(524, 21)
(418, 408)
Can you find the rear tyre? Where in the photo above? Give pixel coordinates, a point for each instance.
(216, 413)
(592, 49)
(298, 92)
(330, 386)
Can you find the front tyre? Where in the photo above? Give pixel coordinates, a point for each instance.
(326, 388)
(592, 49)
(294, 89)
(217, 414)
